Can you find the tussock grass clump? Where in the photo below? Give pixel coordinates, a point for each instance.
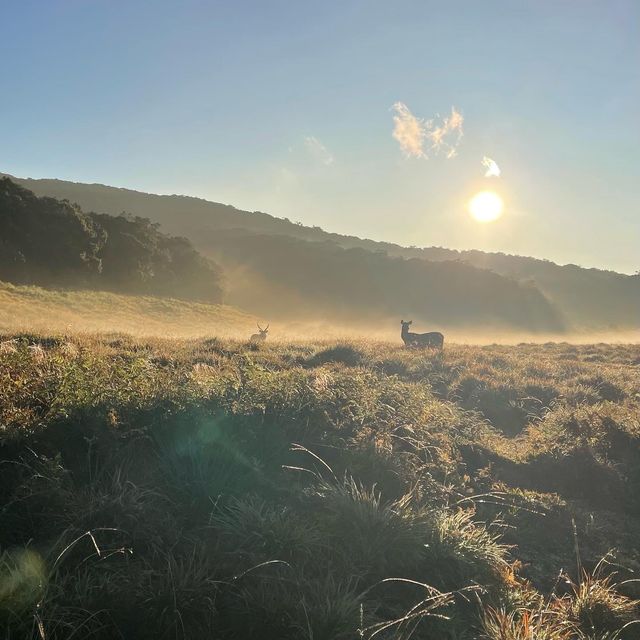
(341, 353)
(377, 538)
(594, 608)
(526, 625)
(597, 605)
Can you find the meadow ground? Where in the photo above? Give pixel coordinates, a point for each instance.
(32, 308)
(202, 488)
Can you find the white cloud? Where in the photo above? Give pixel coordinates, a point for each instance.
(317, 150)
(438, 135)
(409, 131)
(493, 170)
(446, 136)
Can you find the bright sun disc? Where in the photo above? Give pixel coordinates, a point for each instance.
(486, 206)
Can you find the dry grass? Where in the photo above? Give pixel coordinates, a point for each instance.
(31, 308)
(316, 489)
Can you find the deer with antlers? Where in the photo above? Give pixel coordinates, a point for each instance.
(257, 338)
(431, 339)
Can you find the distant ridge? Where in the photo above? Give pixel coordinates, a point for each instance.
(162, 208)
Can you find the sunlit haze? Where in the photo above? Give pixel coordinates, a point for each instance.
(363, 117)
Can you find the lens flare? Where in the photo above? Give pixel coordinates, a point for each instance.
(486, 206)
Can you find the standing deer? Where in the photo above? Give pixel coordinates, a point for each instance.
(432, 339)
(257, 338)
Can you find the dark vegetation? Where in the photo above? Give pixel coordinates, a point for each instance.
(202, 489)
(327, 280)
(584, 298)
(54, 243)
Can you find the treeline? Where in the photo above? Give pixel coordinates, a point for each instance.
(320, 279)
(54, 243)
(588, 297)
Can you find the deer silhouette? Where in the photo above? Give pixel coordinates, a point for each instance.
(256, 338)
(431, 339)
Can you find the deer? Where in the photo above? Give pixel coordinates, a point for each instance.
(431, 339)
(257, 338)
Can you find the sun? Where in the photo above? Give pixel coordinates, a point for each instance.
(486, 206)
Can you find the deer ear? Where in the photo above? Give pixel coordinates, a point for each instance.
(410, 321)
(401, 321)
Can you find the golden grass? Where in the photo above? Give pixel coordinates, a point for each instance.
(31, 308)
(335, 487)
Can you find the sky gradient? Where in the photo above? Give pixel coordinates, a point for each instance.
(287, 107)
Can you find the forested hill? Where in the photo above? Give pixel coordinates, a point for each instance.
(54, 243)
(585, 298)
(284, 276)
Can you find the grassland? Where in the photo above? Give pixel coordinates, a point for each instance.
(156, 488)
(35, 308)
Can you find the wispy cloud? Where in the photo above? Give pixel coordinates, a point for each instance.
(409, 131)
(492, 168)
(317, 150)
(419, 138)
(446, 135)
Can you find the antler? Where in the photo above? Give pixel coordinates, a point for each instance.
(267, 329)
(259, 327)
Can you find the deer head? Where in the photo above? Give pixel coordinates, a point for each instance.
(263, 331)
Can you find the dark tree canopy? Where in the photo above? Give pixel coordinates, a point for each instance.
(331, 281)
(54, 243)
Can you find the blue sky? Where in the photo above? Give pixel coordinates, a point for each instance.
(286, 107)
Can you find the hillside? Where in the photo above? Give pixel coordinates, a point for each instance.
(361, 288)
(31, 308)
(284, 278)
(157, 489)
(54, 243)
(589, 299)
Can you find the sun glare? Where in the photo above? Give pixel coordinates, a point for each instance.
(486, 206)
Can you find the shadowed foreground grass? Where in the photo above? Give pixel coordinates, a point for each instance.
(206, 489)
